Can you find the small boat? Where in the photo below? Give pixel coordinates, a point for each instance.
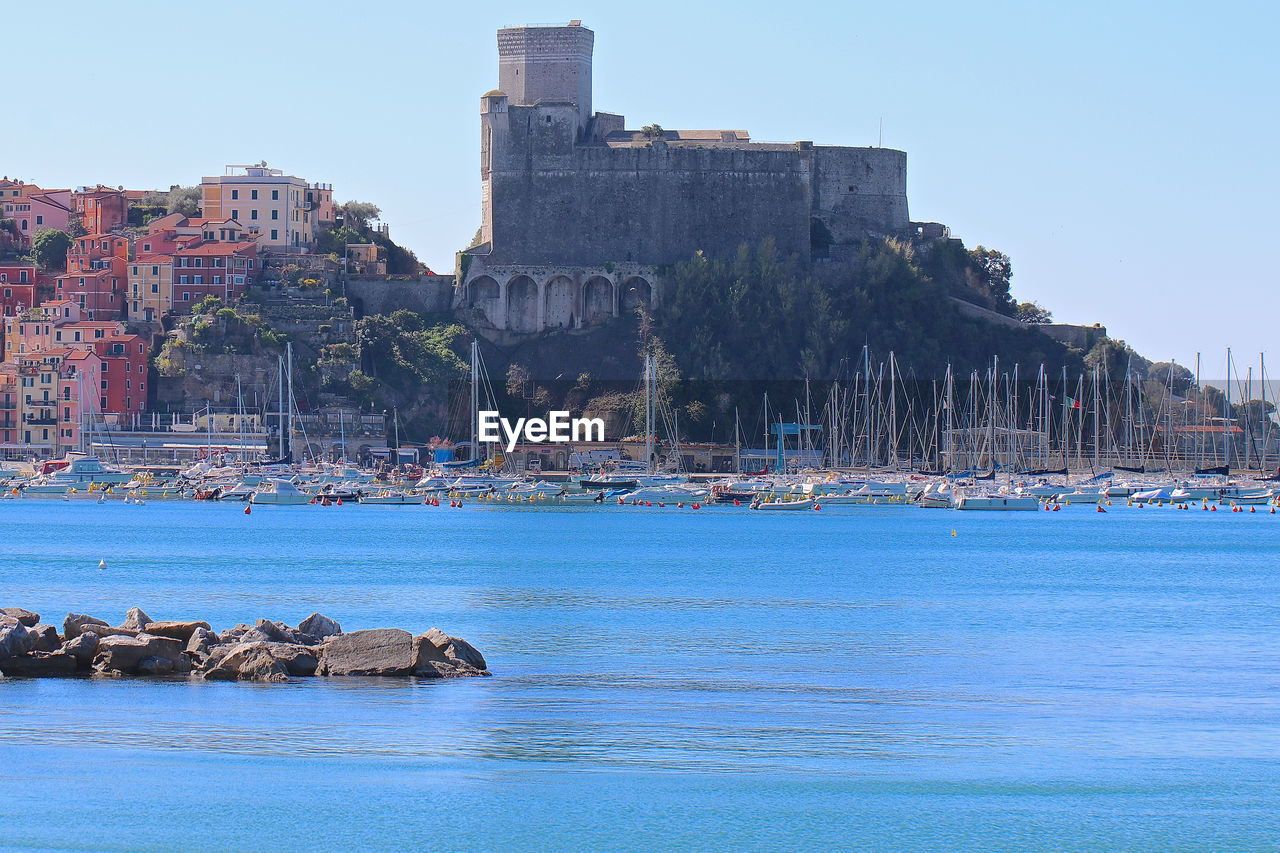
(394, 498)
(784, 506)
(277, 492)
(997, 503)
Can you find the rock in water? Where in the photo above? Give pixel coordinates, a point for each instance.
(15, 638)
(319, 626)
(380, 651)
(40, 665)
(201, 641)
(156, 666)
(46, 638)
(82, 648)
(456, 650)
(249, 662)
(181, 631)
(75, 623)
(136, 620)
(26, 617)
(123, 654)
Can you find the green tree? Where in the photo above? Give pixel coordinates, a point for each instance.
(358, 214)
(184, 200)
(1033, 313)
(49, 249)
(75, 227)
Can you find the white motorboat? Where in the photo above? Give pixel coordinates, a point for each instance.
(997, 503)
(277, 492)
(1083, 496)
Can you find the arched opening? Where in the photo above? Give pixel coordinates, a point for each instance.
(559, 303)
(484, 295)
(522, 304)
(597, 299)
(636, 292)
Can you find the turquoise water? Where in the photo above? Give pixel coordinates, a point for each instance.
(665, 677)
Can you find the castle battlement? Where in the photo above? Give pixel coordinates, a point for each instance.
(571, 193)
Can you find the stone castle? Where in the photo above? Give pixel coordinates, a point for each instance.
(579, 212)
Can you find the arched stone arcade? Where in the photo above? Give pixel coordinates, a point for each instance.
(559, 303)
(522, 304)
(636, 291)
(598, 303)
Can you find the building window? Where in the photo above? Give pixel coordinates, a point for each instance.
(253, 194)
(275, 214)
(186, 297)
(275, 195)
(155, 270)
(253, 214)
(235, 194)
(275, 235)
(198, 280)
(104, 403)
(146, 247)
(135, 270)
(39, 220)
(104, 385)
(155, 287)
(235, 214)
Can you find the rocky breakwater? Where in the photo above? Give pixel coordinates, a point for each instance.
(264, 651)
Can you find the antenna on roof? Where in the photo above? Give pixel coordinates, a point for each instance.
(880, 144)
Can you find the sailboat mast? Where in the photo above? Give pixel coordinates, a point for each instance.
(475, 400)
(280, 411)
(288, 353)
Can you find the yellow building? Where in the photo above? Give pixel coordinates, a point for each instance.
(150, 287)
(267, 202)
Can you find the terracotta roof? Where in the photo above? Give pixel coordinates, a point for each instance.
(154, 259)
(216, 248)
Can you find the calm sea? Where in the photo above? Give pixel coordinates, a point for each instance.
(663, 678)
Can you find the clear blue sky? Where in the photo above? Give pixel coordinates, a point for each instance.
(1122, 153)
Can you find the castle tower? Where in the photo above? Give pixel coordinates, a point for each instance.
(547, 64)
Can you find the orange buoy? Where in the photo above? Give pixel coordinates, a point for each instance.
(1213, 508)
(1100, 509)
(817, 507)
(1253, 509)
(679, 505)
(737, 502)
(339, 501)
(313, 500)
(1056, 507)
(647, 503)
(697, 506)
(1046, 507)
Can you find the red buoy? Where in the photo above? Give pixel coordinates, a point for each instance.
(817, 507)
(248, 509)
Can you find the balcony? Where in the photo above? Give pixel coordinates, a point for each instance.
(40, 421)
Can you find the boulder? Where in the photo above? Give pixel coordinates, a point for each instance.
(233, 635)
(124, 654)
(278, 632)
(82, 648)
(380, 651)
(177, 630)
(40, 665)
(298, 660)
(456, 650)
(135, 619)
(200, 641)
(156, 666)
(108, 630)
(15, 638)
(248, 662)
(46, 638)
(319, 626)
(75, 622)
(26, 617)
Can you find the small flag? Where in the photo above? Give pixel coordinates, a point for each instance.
(1073, 403)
